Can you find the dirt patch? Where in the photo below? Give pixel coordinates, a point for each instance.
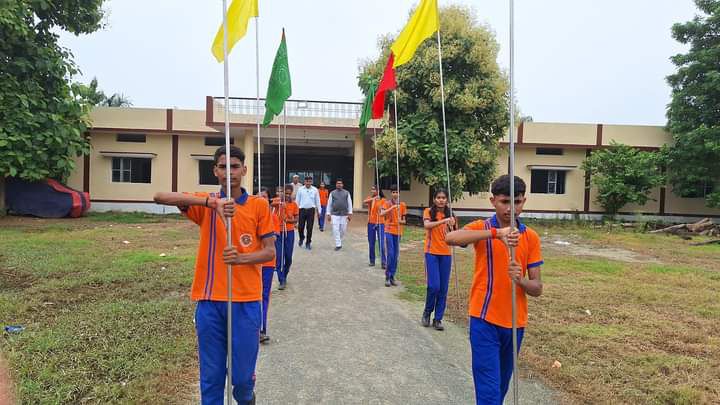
(576, 247)
(10, 279)
(7, 391)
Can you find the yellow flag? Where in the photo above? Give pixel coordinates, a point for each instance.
(423, 23)
(238, 16)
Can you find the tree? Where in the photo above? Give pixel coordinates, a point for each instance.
(96, 97)
(624, 175)
(476, 101)
(42, 121)
(694, 111)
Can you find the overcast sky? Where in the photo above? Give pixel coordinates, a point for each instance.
(576, 60)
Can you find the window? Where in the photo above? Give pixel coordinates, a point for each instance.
(701, 190)
(131, 138)
(387, 181)
(205, 173)
(549, 151)
(547, 182)
(131, 170)
(217, 141)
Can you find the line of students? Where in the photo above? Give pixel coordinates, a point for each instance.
(253, 253)
(490, 295)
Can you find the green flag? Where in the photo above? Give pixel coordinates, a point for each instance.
(367, 107)
(279, 87)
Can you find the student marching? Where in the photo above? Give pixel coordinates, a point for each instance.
(376, 226)
(394, 212)
(286, 211)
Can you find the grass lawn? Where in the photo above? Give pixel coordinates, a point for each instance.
(105, 321)
(643, 329)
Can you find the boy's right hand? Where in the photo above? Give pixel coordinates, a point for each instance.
(225, 208)
(509, 236)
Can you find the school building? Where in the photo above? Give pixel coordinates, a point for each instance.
(138, 151)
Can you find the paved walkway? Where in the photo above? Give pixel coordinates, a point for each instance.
(339, 336)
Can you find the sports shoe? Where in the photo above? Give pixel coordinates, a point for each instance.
(282, 286)
(437, 324)
(338, 248)
(425, 320)
(392, 281)
(387, 282)
(264, 338)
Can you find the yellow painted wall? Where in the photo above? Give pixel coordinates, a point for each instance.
(191, 120)
(188, 168)
(76, 177)
(130, 118)
(101, 185)
(569, 134)
(636, 135)
(675, 204)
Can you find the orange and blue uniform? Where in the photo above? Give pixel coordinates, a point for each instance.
(285, 243)
(393, 231)
(324, 195)
(250, 225)
(438, 261)
(268, 269)
(490, 308)
(376, 231)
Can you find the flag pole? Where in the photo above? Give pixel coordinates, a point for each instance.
(397, 155)
(378, 232)
(228, 227)
(281, 186)
(447, 162)
(512, 196)
(257, 99)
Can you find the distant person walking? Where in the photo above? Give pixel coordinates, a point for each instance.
(340, 207)
(295, 185)
(324, 195)
(308, 200)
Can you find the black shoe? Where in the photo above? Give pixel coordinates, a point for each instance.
(425, 320)
(437, 324)
(282, 286)
(307, 246)
(300, 242)
(383, 266)
(322, 230)
(250, 402)
(387, 282)
(264, 338)
(371, 264)
(392, 281)
(338, 248)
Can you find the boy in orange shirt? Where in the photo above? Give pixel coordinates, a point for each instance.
(252, 244)
(286, 211)
(490, 295)
(324, 194)
(376, 227)
(268, 270)
(394, 213)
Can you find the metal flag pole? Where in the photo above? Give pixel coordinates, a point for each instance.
(281, 214)
(447, 164)
(512, 196)
(378, 232)
(228, 190)
(257, 99)
(397, 154)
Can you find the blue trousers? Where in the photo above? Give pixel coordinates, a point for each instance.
(492, 360)
(321, 220)
(376, 232)
(393, 252)
(267, 278)
(211, 326)
(284, 244)
(437, 272)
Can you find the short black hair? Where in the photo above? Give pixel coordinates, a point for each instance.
(339, 179)
(308, 178)
(501, 186)
(289, 187)
(235, 152)
(393, 187)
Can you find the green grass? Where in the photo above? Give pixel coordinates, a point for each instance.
(104, 323)
(130, 217)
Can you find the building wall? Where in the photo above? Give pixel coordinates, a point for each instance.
(101, 185)
(636, 135)
(76, 177)
(551, 133)
(188, 168)
(677, 205)
(129, 118)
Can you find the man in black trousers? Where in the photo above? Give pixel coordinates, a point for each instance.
(308, 200)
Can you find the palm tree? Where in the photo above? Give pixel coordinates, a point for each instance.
(116, 100)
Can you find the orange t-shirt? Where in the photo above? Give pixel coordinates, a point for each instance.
(435, 237)
(276, 226)
(324, 194)
(250, 225)
(491, 291)
(374, 211)
(392, 223)
(290, 209)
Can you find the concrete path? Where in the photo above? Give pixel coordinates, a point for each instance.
(339, 336)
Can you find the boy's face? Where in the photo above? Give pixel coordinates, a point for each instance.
(308, 182)
(502, 206)
(236, 169)
(288, 195)
(339, 185)
(395, 194)
(279, 191)
(373, 191)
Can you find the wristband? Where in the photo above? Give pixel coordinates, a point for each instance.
(493, 232)
(206, 201)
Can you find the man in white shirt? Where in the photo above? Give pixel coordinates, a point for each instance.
(308, 200)
(296, 185)
(339, 212)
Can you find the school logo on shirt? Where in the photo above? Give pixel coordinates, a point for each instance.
(246, 240)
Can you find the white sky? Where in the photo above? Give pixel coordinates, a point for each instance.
(590, 61)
